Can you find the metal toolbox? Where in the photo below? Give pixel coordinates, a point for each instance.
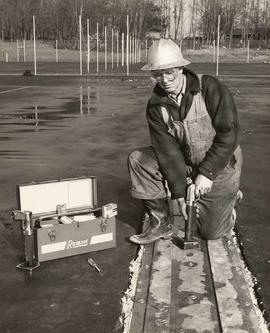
(62, 218)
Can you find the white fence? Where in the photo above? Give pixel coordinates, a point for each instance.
(93, 54)
(103, 49)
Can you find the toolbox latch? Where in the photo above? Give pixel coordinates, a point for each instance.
(52, 234)
(103, 225)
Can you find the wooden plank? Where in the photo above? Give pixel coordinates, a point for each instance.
(142, 289)
(198, 290)
(235, 305)
(193, 307)
(157, 317)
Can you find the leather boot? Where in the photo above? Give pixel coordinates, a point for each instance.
(159, 224)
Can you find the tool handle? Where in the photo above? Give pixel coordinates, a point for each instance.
(190, 195)
(68, 213)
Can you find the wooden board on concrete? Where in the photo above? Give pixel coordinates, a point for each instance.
(192, 293)
(198, 290)
(193, 306)
(234, 301)
(178, 293)
(142, 290)
(175, 292)
(157, 317)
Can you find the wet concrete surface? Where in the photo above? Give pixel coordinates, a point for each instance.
(254, 213)
(58, 133)
(72, 69)
(69, 127)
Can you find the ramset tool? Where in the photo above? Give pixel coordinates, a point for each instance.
(189, 241)
(26, 219)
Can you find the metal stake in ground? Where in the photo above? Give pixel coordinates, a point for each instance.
(88, 44)
(80, 41)
(127, 46)
(35, 49)
(218, 34)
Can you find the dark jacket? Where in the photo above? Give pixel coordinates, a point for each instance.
(222, 110)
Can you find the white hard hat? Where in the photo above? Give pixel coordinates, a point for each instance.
(163, 54)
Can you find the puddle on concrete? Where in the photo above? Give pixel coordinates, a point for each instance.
(29, 127)
(10, 154)
(39, 117)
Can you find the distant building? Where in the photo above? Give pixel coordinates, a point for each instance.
(238, 34)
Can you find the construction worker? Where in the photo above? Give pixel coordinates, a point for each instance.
(194, 132)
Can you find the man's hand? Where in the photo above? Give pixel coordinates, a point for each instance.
(182, 207)
(203, 185)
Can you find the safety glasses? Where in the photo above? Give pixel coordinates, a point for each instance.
(159, 75)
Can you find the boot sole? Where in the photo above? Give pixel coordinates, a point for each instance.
(166, 236)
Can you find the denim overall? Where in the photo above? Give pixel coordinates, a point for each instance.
(195, 136)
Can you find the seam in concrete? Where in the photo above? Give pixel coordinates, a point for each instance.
(215, 294)
(148, 287)
(12, 90)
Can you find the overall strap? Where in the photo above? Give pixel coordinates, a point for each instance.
(167, 118)
(200, 80)
(165, 115)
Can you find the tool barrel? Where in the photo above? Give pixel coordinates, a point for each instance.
(29, 250)
(191, 213)
(29, 239)
(189, 222)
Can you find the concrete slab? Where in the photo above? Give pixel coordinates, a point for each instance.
(68, 143)
(66, 295)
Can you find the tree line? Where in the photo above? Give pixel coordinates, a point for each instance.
(245, 20)
(177, 19)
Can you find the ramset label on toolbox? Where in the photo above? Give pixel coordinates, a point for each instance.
(80, 243)
(70, 244)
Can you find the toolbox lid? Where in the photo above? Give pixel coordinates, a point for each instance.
(40, 198)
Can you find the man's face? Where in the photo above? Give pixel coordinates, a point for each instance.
(169, 79)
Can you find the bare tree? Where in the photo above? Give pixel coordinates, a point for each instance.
(58, 19)
(177, 15)
(230, 10)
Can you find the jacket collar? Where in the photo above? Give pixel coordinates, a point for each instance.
(159, 96)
